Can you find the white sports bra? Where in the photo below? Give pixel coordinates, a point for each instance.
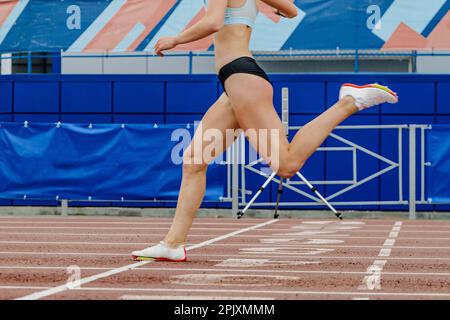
(245, 15)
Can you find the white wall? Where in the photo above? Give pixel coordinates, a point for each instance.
(6, 64)
(136, 63)
(434, 64)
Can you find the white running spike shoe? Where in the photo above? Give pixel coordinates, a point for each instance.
(369, 95)
(161, 252)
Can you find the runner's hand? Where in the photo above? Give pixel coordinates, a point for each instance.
(279, 13)
(165, 43)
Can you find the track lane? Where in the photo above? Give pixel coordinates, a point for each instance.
(422, 262)
(125, 268)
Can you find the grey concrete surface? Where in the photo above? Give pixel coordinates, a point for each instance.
(219, 213)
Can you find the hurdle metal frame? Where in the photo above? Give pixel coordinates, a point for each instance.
(238, 168)
(423, 164)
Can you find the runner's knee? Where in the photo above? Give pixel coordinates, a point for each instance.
(289, 168)
(193, 165)
(287, 171)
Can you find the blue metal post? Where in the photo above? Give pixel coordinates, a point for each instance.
(30, 63)
(414, 61)
(191, 56)
(56, 62)
(357, 61)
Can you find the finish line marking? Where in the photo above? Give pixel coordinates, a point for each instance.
(372, 281)
(65, 287)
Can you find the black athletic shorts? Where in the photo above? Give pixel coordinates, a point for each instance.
(241, 65)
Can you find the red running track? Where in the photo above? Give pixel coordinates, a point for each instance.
(228, 259)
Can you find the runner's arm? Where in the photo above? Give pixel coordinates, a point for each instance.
(285, 8)
(209, 24)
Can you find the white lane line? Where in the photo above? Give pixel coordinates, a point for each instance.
(23, 223)
(385, 252)
(96, 234)
(229, 235)
(365, 231)
(233, 255)
(62, 254)
(294, 258)
(83, 281)
(159, 297)
(97, 219)
(156, 220)
(393, 235)
(372, 280)
(309, 246)
(199, 228)
(131, 218)
(71, 243)
(333, 272)
(252, 291)
(52, 268)
(23, 287)
(202, 235)
(111, 228)
(138, 220)
(62, 288)
(434, 274)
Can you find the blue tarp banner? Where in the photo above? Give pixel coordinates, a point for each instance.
(99, 162)
(438, 155)
(136, 25)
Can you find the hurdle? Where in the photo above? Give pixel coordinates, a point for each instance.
(406, 191)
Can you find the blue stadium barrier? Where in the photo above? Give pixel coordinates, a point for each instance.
(41, 161)
(438, 155)
(170, 99)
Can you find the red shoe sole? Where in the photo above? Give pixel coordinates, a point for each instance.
(378, 86)
(156, 259)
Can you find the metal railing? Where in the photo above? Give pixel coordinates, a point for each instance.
(357, 55)
(238, 170)
(237, 191)
(413, 200)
